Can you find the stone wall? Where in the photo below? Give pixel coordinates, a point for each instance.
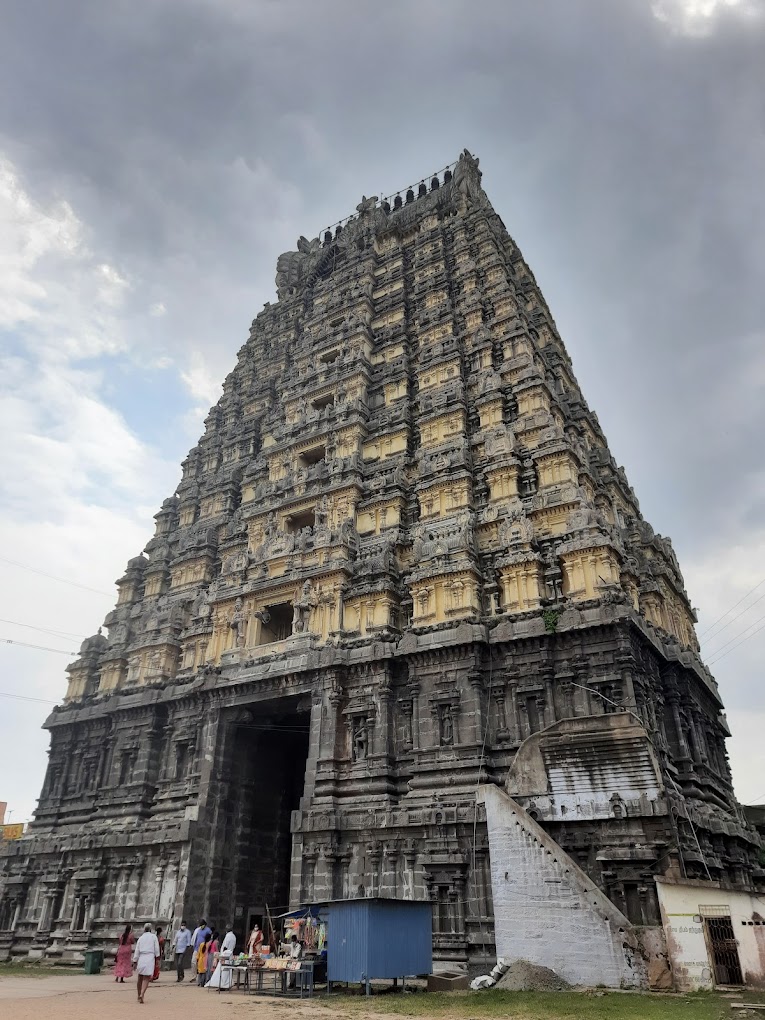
(547, 911)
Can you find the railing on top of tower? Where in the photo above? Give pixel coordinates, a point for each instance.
(394, 201)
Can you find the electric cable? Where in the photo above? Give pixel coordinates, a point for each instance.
(42, 648)
(54, 577)
(731, 622)
(743, 641)
(719, 618)
(25, 697)
(716, 653)
(44, 630)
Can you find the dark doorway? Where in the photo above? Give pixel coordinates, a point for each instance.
(269, 755)
(276, 623)
(724, 951)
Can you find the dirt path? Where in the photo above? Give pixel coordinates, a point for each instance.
(80, 997)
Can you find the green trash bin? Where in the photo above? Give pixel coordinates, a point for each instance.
(94, 959)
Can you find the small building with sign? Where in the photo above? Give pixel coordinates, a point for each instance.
(715, 936)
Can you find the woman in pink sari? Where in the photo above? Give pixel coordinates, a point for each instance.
(123, 962)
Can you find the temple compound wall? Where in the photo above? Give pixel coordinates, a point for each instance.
(401, 563)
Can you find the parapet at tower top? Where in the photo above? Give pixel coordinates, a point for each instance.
(459, 183)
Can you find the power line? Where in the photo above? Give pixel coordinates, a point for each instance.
(42, 648)
(743, 641)
(736, 617)
(44, 630)
(719, 618)
(53, 577)
(713, 655)
(24, 697)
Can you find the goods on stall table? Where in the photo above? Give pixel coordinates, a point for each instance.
(310, 931)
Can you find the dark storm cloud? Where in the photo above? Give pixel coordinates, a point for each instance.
(196, 140)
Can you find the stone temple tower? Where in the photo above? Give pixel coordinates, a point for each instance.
(401, 562)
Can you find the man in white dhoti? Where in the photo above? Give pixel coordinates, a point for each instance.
(145, 955)
(221, 978)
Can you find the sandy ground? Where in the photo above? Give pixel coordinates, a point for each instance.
(97, 997)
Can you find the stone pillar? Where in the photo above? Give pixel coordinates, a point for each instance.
(124, 882)
(17, 903)
(307, 875)
(389, 870)
(46, 914)
(500, 695)
(374, 855)
(457, 897)
(515, 725)
(550, 715)
(75, 911)
(475, 679)
(624, 664)
(406, 716)
(410, 878)
(134, 890)
(681, 743)
(91, 906)
(343, 888)
(314, 747)
(322, 879)
(332, 701)
(159, 875)
(701, 737)
(414, 690)
(382, 730)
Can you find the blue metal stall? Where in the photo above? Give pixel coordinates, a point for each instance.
(378, 938)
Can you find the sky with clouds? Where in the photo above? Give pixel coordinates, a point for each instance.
(155, 158)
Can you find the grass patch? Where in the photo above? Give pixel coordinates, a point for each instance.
(536, 1006)
(34, 970)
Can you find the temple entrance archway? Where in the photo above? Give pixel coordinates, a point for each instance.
(267, 755)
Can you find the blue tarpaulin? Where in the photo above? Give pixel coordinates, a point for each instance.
(313, 910)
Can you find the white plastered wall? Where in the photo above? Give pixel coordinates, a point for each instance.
(682, 912)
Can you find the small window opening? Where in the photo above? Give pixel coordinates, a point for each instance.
(313, 456)
(327, 400)
(329, 356)
(181, 759)
(532, 711)
(276, 624)
(296, 523)
(126, 766)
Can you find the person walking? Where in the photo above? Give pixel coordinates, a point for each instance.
(212, 952)
(229, 942)
(145, 956)
(162, 940)
(202, 961)
(220, 978)
(201, 934)
(123, 967)
(181, 943)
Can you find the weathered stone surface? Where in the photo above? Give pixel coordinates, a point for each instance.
(400, 548)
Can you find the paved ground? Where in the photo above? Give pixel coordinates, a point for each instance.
(80, 997)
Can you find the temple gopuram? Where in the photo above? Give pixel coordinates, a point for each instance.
(401, 564)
